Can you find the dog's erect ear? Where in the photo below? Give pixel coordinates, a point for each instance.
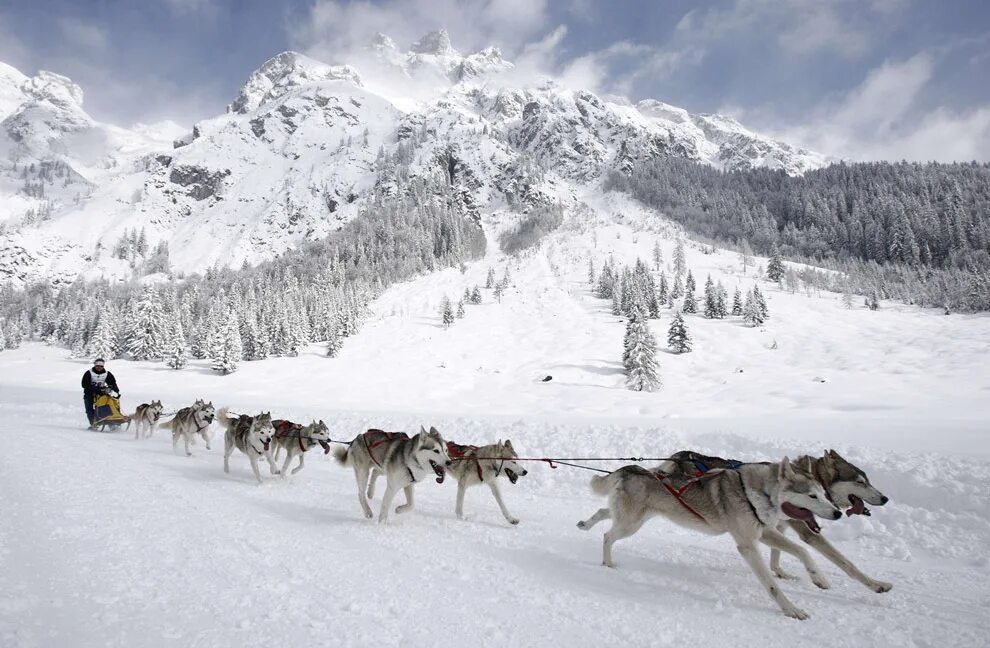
(811, 466)
(508, 444)
(434, 431)
(786, 471)
(422, 430)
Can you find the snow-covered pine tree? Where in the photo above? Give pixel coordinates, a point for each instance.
(102, 344)
(678, 288)
(3, 337)
(775, 266)
(873, 300)
(678, 337)
(506, 277)
(230, 351)
(616, 300)
(761, 303)
(334, 341)
(460, 307)
(467, 295)
(752, 313)
(446, 312)
(711, 299)
(662, 289)
(689, 285)
(737, 304)
(657, 256)
(640, 354)
(847, 298)
(498, 293)
(721, 299)
(490, 278)
(680, 262)
(147, 340)
(690, 305)
(591, 271)
(475, 295)
(176, 348)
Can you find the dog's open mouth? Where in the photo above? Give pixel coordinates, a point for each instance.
(802, 514)
(265, 444)
(511, 475)
(325, 446)
(438, 469)
(858, 507)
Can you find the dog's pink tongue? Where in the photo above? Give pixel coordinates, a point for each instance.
(858, 507)
(801, 514)
(326, 447)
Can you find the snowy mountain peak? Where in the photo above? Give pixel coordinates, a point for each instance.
(283, 72)
(436, 43)
(55, 88)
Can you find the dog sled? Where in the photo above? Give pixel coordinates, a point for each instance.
(106, 406)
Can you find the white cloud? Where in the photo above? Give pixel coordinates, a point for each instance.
(336, 31)
(82, 34)
(881, 120)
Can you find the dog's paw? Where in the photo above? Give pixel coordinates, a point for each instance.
(581, 525)
(610, 565)
(880, 587)
(796, 613)
(781, 574)
(513, 521)
(188, 454)
(820, 581)
(369, 514)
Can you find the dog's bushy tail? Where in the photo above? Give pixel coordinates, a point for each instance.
(342, 454)
(224, 417)
(603, 484)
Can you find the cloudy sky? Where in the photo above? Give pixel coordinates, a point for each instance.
(864, 79)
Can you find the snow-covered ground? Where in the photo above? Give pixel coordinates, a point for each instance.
(107, 541)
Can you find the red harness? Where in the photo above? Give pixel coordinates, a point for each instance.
(678, 493)
(283, 428)
(457, 451)
(388, 437)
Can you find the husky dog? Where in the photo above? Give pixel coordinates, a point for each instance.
(296, 439)
(252, 435)
(190, 421)
(746, 503)
(473, 465)
(845, 485)
(404, 460)
(145, 416)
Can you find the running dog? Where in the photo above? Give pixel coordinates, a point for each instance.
(296, 439)
(404, 460)
(473, 465)
(747, 503)
(844, 483)
(190, 421)
(145, 416)
(252, 435)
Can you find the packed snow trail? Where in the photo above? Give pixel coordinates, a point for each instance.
(109, 541)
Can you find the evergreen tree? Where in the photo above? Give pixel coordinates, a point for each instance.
(616, 301)
(102, 344)
(721, 299)
(752, 312)
(657, 256)
(678, 288)
(467, 296)
(176, 356)
(506, 277)
(775, 267)
(460, 306)
(873, 300)
(690, 305)
(147, 340)
(761, 303)
(737, 304)
(711, 299)
(680, 263)
(591, 271)
(3, 337)
(490, 278)
(498, 293)
(639, 357)
(446, 312)
(678, 338)
(662, 289)
(229, 351)
(689, 283)
(475, 295)
(334, 341)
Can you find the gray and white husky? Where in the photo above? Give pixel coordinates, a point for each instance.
(846, 485)
(404, 461)
(252, 435)
(747, 503)
(296, 439)
(473, 466)
(190, 421)
(145, 417)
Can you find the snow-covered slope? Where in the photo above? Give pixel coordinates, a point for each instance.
(111, 541)
(303, 144)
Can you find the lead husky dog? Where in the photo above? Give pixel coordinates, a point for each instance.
(190, 421)
(747, 503)
(404, 460)
(252, 435)
(296, 439)
(844, 483)
(145, 416)
(473, 465)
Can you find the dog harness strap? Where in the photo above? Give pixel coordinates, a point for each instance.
(679, 494)
(752, 508)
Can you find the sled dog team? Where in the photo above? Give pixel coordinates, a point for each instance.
(752, 502)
